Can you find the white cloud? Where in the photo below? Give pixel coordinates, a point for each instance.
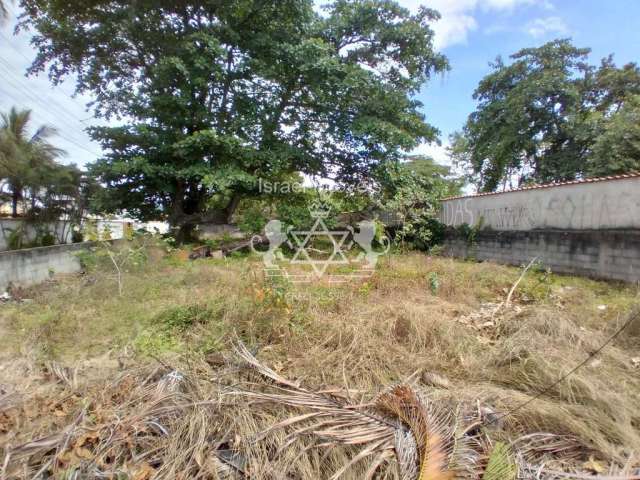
(437, 152)
(548, 25)
(458, 18)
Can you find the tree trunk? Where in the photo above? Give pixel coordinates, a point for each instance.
(183, 223)
(184, 233)
(15, 198)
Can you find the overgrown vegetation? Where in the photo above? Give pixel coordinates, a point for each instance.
(245, 91)
(426, 320)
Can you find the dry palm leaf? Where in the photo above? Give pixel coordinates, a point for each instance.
(424, 443)
(427, 442)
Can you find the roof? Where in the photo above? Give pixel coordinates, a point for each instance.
(552, 185)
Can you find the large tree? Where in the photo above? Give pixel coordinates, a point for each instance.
(215, 94)
(550, 116)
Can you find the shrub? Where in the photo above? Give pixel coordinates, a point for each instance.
(422, 233)
(184, 316)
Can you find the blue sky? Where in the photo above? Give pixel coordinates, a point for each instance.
(471, 33)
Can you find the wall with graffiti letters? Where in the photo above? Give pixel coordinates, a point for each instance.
(610, 204)
(587, 228)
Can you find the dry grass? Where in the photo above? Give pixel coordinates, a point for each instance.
(359, 337)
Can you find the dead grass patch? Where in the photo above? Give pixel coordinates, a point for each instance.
(361, 337)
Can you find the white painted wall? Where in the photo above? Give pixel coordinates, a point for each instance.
(61, 230)
(582, 206)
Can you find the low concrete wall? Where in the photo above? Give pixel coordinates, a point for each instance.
(602, 254)
(35, 265)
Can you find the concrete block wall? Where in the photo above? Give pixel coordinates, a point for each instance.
(35, 265)
(602, 254)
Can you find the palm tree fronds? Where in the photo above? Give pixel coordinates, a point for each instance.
(501, 465)
(426, 441)
(428, 426)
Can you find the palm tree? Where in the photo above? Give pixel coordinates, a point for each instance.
(4, 12)
(25, 160)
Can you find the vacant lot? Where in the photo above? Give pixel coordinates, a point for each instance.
(81, 366)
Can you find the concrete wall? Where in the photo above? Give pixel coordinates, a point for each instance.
(589, 228)
(603, 254)
(60, 230)
(35, 265)
(611, 204)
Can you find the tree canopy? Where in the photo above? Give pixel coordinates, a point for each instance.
(550, 116)
(214, 94)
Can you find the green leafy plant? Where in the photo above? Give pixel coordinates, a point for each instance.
(250, 84)
(413, 190)
(184, 316)
(434, 283)
(470, 232)
(501, 464)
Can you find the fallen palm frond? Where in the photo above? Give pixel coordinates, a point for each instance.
(144, 425)
(501, 464)
(426, 442)
(170, 423)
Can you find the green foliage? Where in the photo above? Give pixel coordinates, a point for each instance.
(76, 235)
(252, 218)
(184, 316)
(152, 342)
(33, 183)
(18, 237)
(47, 239)
(550, 116)
(434, 283)
(90, 231)
(617, 146)
(469, 232)
(116, 258)
(88, 260)
(413, 190)
(421, 233)
(501, 464)
(106, 233)
(218, 95)
(275, 294)
(540, 283)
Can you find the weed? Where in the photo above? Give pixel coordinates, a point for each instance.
(184, 316)
(434, 283)
(361, 336)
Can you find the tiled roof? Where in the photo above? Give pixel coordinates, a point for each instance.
(552, 185)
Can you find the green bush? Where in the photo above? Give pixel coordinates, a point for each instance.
(47, 239)
(253, 218)
(77, 236)
(421, 233)
(184, 316)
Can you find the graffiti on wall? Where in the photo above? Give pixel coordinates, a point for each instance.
(546, 209)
